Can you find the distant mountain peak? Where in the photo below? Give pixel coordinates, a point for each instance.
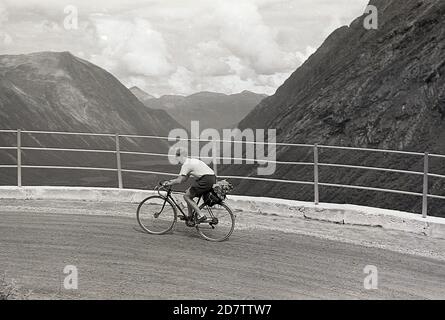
(212, 109)
(141, 94)
(247, 92)
(207, 94)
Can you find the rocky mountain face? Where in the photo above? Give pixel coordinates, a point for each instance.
(381, 88)
(59, 92)
(212, 110)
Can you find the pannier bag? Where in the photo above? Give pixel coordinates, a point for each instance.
(218, 193)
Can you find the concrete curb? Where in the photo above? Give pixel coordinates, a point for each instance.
(337, 213)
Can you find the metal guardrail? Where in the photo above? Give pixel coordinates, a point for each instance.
(316, 164)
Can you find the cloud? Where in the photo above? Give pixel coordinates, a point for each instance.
(131, 46)
(177, 46)
(208, 58)
(243, 31)
(182, 81)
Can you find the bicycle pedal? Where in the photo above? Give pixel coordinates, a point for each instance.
(189, 223)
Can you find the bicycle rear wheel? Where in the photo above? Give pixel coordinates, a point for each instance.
(219, 224)
(156, 215)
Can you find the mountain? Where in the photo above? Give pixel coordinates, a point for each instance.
(381, 88)
(59, 92)
(213, 110)
(141, 94)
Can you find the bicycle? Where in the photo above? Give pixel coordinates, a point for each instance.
(158, 215)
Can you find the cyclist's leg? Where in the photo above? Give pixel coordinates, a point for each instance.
(191, 205)
(198, 188)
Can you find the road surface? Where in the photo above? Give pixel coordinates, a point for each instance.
(116, 260)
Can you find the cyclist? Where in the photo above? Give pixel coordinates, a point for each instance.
(203, 180)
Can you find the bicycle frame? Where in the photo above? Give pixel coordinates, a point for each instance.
(170, 197)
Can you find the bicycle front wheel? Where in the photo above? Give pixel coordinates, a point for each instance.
(219, 224)
(156, 215)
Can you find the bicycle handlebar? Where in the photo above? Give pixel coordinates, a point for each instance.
(161, 187)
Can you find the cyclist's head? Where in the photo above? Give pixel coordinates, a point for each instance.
(181, 155)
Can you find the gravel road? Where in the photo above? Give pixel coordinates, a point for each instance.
(116, 260)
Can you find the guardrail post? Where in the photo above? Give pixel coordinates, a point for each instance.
(19, 157)
(118, 161)
(425, 186)
(316, 190)
(215, 164)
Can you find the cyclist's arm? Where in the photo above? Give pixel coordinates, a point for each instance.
(180, 179)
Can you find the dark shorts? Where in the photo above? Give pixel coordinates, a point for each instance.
(202, 185)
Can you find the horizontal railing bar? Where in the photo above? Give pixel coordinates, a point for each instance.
(8, 131)
(261, 160)
(369, 168)
(218, 140)
(372, 150)
(370, 189)
(436, 175)
(226, 158)
(68, 168)
(164, 138)
(70, 150)
(267, 180)
(144, 153)
(8, 166)
(150, 172)
(147, 137)
(436, 197)
(286, 162)
(437, 155)
(8, 148)
(222, 158)
(70, 133)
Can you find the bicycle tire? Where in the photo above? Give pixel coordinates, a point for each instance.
(205, 226)
(169, 226)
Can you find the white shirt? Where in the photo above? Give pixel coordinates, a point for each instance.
(195, 168)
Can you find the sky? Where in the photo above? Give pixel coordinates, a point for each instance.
(180, 46)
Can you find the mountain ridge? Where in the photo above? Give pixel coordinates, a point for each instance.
(379, 88)
(212, 109)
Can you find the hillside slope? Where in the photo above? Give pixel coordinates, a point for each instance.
(380, 88)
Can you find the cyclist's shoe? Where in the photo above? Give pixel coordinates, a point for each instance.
(190, 223)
